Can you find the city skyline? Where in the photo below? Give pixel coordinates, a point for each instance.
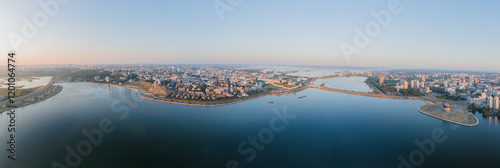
(424, 35)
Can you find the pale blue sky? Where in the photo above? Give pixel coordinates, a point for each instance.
(426, 34)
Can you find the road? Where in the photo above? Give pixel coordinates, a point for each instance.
(365, 94)
(32, 94)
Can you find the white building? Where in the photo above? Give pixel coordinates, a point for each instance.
(477, 101)
(427, 90)
(496, 92)
(403, 85)
(483, 95)
(489, 102)
(452, 91)
(496, 103)
(417, 84)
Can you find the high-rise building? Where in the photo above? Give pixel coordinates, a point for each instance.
(483, 95)
(416, 84)
(496, 103)
(381, 80)
(489, 102)
(403, 85)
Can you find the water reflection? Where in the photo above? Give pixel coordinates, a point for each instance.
(346, 83)
(492, 123)
(489, 121)
(330, 132)
(496, 121)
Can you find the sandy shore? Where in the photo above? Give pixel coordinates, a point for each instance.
(366, 94)
(188, 102)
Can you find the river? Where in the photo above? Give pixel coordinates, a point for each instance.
(324, 129)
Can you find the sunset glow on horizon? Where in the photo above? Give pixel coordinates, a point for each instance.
(423, 34)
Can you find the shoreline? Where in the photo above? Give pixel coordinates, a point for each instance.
(229, 102)
(402, 98)
(187, 102)
(366, 94)
(58, 90)
(451, 121)
(203, 105)
(193, 102)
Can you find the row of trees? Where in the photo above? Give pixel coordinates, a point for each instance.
(384, 89)
(438, 90)
(88, 75)
(447, 96)
(410, 92)
(485, 111)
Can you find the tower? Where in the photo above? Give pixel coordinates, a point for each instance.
(489, 102)
(496, 103)
(381, 80)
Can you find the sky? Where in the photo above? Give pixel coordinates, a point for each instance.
(456, 35)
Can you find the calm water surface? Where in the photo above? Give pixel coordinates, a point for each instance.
(346, 83)
(329, 130)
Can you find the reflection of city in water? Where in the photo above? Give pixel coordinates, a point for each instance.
(495, 120)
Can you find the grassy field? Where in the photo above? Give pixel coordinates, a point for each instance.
(284, 85)
(145, 85)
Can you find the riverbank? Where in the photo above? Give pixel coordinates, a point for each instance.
(129, 87)
(456, 115)
(365, 94)
(207, 103)
(202, 103)
(39, 96)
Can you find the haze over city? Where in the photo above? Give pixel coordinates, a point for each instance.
(425, 34)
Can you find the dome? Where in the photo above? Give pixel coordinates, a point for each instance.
(446, 105)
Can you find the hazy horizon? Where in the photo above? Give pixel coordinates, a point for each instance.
(276, 65)
(421, 35)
